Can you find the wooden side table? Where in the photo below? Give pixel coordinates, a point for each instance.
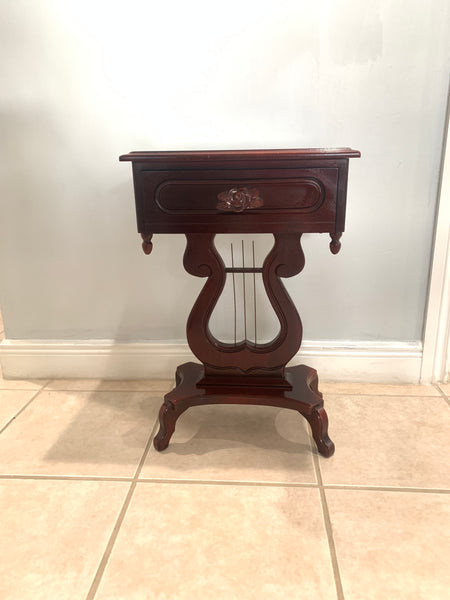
(283, 192)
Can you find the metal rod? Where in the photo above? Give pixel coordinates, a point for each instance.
(241, 270)
(254, 285)
(234, 294)
(243, 283)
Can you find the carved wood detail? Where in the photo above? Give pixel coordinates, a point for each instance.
(238, 199)
(302, 397)
(304, 191)
(284, 260)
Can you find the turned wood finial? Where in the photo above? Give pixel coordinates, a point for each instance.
(335, 244)
(147, 245)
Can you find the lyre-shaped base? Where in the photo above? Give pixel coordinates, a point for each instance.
(245, 373)
(286, 259)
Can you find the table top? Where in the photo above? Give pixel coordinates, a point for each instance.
(189, 156)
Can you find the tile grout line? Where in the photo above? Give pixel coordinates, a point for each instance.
(115, 532)
(225, 482)
(110, 545)
(102, 391)
(283, 484)
(442, 393)
(231, 482)
(38, 477)
(381, 488)
(329, 530)
(379, 394)
(26, 405)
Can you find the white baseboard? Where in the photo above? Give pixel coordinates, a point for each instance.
(374, 362)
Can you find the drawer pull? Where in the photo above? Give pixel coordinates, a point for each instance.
(239, 199)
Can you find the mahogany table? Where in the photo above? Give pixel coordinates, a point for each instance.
(282, 192)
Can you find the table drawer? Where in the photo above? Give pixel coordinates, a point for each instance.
(237, 201)
(204, 197)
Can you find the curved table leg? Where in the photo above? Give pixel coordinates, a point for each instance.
(310, 405)
(318, 421)
(167, 419)
(177, 401)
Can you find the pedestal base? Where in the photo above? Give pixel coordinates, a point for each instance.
(304, 398)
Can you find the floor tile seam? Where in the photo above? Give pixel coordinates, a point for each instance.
(110, 545)
(329, 530)
(440, 391)
(120, 519)
(144, 458)
(381, 488)
(381, 395)
(96, 390)
(224, 482)
(21, 389)
(146, 451)
(442, 394)
(21, 410)
(37, 477)
(150, 480)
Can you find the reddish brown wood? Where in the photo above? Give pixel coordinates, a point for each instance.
(238, 199)
(335, 244)
(285, 260)
(285, 192)
(301, 190)
(237, 156)
(147, 245)
(304, 397)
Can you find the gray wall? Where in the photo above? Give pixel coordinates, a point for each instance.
(82, 82)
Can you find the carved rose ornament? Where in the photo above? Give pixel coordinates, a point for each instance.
(239, 199)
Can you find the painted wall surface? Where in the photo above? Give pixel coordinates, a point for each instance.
(82, 82)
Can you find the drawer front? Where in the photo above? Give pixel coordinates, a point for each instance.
(255, 200)
(184, 197)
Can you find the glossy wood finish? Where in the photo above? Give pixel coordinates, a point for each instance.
(304, 397)
(284, 192)
(301, 190)
(285, 260)
(238, 157)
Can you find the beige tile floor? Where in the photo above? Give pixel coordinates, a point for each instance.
(240, 506)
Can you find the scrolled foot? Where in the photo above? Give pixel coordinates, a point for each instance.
(325, 447)
(319, 427)
(167, 420)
